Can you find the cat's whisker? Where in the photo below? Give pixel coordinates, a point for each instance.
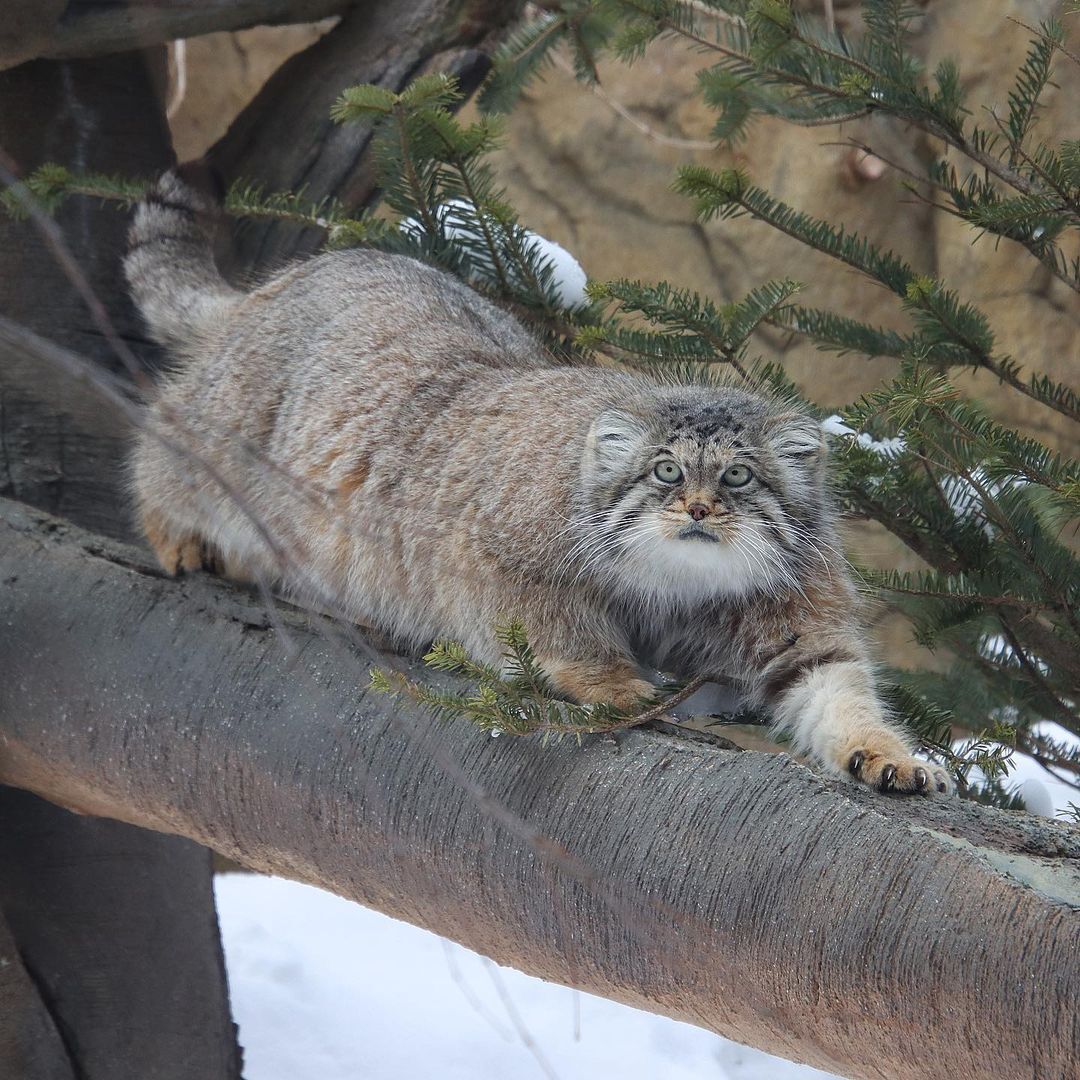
(751, 555)
(624, 542)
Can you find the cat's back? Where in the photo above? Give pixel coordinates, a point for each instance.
(354, 333)
(359, 305)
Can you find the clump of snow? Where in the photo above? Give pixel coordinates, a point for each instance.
(323, 989)
(889, 448)
(1043, 791)
(568, 278)
(834, 425)
(997, 647)
(1036, 796)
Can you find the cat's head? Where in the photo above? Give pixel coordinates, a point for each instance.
(699, 491)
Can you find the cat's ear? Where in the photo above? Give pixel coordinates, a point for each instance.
(615, 434)
(797, 437)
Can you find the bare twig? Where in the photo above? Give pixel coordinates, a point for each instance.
(467, 993)
(633, 119)
(519, 1025)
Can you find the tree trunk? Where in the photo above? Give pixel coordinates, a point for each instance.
(59, 449)
(285, 140)
(116, 925)
(874, 936)
(30, 1045)
(113, 928)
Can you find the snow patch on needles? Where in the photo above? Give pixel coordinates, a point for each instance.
(996, 648)
(963, 494)
(965, 499)
(1044, 791)
(888, 448)
(457, 220)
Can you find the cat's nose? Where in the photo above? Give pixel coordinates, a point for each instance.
(698, 511)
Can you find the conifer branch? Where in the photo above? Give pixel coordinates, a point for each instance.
(1064, 713)
(518, 700)
(51, 185)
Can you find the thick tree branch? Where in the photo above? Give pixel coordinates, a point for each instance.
(65, 28)
(285, 140)
(743, 892)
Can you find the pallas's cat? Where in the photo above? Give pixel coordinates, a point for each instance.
(365, 428)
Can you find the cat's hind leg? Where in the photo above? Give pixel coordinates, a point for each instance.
(611, 681)
(178, 551)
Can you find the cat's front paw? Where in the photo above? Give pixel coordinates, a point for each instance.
(898, 772)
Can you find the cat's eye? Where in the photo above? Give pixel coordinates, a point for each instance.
(668, 472)
(737, 476)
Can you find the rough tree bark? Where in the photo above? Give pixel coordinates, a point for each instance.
(874, 936)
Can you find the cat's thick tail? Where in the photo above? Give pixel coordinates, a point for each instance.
(170, 266)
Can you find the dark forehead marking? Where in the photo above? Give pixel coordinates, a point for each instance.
(704, 420)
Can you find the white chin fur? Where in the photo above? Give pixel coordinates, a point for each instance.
(673, 571)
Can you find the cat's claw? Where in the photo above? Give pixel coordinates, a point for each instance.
(907, 775)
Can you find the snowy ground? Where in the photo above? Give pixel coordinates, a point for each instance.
(326, 990)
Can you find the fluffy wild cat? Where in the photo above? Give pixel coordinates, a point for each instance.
(366, 428)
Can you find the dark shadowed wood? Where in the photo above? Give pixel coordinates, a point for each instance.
(117, 926)
(65, 28)
(91, 115)
(114, 925)
(61, 448)
(27, 29)
(56, 451)
(874, 936)
(30, 1045)
(285, 140)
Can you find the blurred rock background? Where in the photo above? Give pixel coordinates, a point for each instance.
(592, 169)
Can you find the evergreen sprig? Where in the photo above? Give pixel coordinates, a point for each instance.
(692, 329)
(435, 174)
(515, 699)
(50, 186)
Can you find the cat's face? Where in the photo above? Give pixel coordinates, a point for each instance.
(704, 492)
